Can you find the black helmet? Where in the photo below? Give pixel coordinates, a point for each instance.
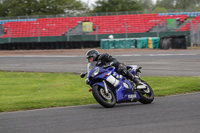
(92, 53)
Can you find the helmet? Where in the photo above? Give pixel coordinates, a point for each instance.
(92, 53)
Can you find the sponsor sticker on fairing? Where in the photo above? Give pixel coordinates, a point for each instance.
(132, 96)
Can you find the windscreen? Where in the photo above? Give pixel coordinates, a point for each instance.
(91, 65)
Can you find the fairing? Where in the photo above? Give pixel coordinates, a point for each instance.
(123, 90)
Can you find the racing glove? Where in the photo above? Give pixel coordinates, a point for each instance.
(82, 75)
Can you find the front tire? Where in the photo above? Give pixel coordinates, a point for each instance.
(146, 97)
(99, 94)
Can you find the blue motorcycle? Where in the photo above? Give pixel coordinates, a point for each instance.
(109, 87)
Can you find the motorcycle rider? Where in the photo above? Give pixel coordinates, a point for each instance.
(106, 59)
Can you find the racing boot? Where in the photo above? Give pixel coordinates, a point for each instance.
(137, 81)
(138, 84)
(133, 78)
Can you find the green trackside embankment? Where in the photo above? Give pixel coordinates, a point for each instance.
(32, 90)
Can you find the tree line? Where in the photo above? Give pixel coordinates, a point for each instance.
(51, 7)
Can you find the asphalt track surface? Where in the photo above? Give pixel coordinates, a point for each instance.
(173, 114)
(154, 63)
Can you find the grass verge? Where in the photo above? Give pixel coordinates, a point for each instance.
(22, 90)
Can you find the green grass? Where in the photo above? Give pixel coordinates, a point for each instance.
(164, 86)
(22, 90)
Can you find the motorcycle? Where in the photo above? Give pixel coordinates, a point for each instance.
(109, 87)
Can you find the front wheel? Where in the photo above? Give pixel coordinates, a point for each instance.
(147, 95)
(106, 100)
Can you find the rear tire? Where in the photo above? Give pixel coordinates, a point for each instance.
(107, 101)
(146, 98)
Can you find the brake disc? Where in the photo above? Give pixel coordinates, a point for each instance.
(106, 96)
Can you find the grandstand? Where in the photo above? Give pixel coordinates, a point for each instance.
(112, 24)
(194, 21)
(63, 31)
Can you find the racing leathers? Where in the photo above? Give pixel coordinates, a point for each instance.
(106, 59)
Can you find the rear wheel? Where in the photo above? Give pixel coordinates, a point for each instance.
(146, 95)
(106, 100)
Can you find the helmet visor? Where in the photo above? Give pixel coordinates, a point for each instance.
(90, 58)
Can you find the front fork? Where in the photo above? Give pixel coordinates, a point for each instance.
(105, 86)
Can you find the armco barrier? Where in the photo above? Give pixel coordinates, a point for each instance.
(129, 43)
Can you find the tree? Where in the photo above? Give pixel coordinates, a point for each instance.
(39, 7)
(2, 10)
(116, 5)
(184, 5)
(160, 10)
(187, 4)
(146, 4)
(19, 7)
(167, 4)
